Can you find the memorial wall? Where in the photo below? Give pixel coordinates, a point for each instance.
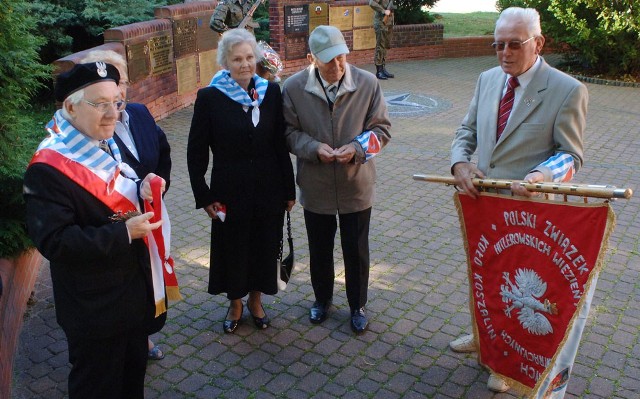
(170, 57)
(291, 21)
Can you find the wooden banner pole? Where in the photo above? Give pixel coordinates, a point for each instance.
(582, 190)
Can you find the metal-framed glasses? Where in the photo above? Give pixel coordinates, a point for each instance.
(513, 45)
(104, 107)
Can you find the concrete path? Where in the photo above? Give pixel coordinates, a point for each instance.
(418, 289)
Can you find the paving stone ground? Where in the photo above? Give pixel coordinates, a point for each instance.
(418, 290)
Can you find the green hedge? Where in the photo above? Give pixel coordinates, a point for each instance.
(603, 35)
(21, 75)
(413, 12)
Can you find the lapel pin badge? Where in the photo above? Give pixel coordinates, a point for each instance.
(528, 101)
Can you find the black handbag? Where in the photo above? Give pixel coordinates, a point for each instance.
(285, 266)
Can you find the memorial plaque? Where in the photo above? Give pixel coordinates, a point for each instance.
(137, 61)
(161, 54)
(184, 37)
(341, 17)
(206, 38)
(318, 15)
(364, 39)
(296, 19)
(187, 74)
(295, 47)
(362, 16)
(208, 66)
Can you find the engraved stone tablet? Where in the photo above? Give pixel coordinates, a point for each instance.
(186, 74)
(184, 37)
(208, 66)
(364, 39)
(362, 16)
(161, 54)
(318, 15)
(296, 19)
(206, 38)
(295, 47)
(341, 17)
(137, 61)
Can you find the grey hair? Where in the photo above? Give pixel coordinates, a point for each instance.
(529, 16)
(110, 57)
(232, 38)
(73, 98)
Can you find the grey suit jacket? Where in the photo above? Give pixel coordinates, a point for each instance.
(549, 117)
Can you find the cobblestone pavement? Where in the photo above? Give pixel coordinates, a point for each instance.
(418, 291)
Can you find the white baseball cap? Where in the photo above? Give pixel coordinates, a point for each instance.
(326, 43)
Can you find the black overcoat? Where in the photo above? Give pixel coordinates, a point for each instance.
(101, 283)
(251, 173)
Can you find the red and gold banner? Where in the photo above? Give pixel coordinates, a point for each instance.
(530, 263)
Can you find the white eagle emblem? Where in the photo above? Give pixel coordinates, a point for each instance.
(525, 295)
(101, 68)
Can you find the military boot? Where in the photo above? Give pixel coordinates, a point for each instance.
(387, 73)
(379, 73)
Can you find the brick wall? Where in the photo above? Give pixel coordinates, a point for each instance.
(18, 278)
(410, 42)
(467, 47)
(159, 91)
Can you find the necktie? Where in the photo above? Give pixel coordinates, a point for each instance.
(104, 146)
(332, 91)
(506, 104)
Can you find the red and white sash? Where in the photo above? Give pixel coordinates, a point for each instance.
(74, 155)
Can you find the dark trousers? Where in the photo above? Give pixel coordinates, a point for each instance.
(109, 368)
(354, 237)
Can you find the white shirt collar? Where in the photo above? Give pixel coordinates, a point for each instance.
(124, 132)
(526, 77)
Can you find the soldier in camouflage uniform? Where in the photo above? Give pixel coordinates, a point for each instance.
(382, 8)
(228, 15)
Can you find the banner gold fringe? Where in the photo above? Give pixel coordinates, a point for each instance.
(161, 307)
(173, 294)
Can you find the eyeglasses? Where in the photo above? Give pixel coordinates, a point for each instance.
(124, 83)
(513, 45)
(119, 105)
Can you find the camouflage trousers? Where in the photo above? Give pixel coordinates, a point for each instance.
(383, 42)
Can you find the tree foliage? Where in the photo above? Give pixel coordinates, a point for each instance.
(602, 34)
(413, 11)
(21, 75)
(75, 25)
(261, 16)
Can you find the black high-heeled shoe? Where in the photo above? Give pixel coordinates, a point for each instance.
(260, 322)
(230, 326)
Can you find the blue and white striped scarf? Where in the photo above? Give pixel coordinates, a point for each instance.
(68, 141)
(223, 81)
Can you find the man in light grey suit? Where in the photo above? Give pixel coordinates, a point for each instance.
(541, 141)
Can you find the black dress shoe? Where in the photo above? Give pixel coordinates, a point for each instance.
(319, 311)
(359, 321)
(260, 322)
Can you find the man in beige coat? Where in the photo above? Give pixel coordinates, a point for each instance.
(541, 141)
(337, 121)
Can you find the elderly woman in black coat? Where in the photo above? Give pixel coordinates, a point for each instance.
(238, 118)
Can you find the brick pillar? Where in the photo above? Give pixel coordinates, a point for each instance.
(276, 26)
(18, 278)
